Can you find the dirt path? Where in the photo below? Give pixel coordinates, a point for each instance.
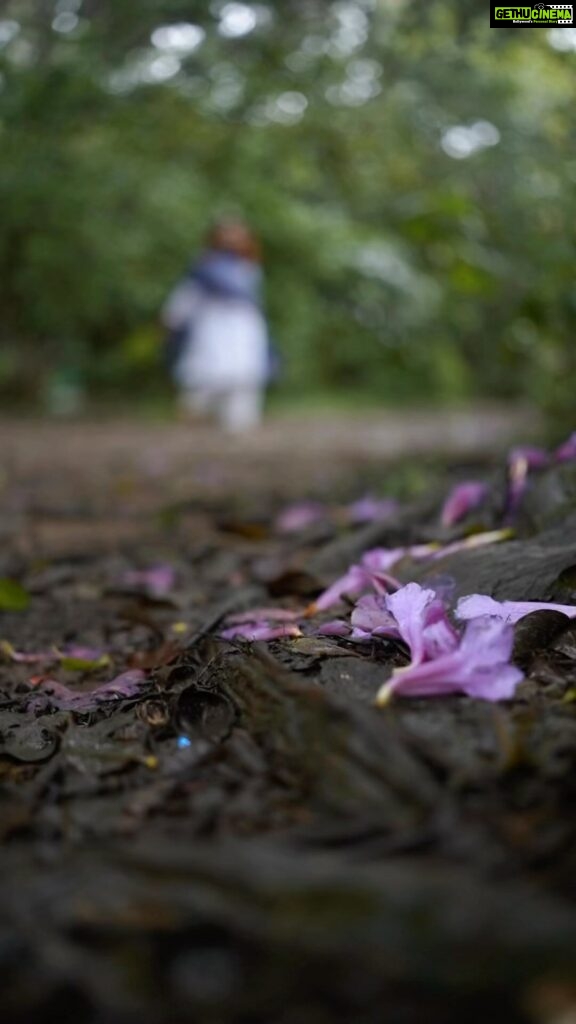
(307, 448)
(68, 486)
(193, 828)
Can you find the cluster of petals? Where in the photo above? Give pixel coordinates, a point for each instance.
(301, 515)
(475, 662)
(444, 660)
(371, 573)
(473, 659)
(523, 459)
(468, 495)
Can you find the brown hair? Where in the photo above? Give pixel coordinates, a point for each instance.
(235, 237)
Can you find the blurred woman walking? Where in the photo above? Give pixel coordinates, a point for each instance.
(217, 333)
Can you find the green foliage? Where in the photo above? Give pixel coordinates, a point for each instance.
(13, 597)
(409, 169)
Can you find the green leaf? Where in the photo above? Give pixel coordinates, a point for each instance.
(85, 664)
(13, 597)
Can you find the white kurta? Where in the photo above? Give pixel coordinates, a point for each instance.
(227, 346)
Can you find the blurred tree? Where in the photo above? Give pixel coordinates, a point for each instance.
(410, 171)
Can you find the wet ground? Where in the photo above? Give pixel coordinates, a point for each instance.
(210, 830)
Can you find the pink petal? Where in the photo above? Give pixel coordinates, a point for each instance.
(416, 610)
(371, 614)
(352, 582)
(567, 450)
(487, 640)
(369, 510)
(159, 580)
(30, 657)
(439, 638)
(362, 634)
(462, 499)
(299, 516)
(128, 684)
(409, 606)
(533, 457)
(377, 563)
(267, 614)
(379, 560)
(497, 685)
(520, 462)
(479, 667)
(371, 573)
(473, 605)
(259, 631)
(336, 627)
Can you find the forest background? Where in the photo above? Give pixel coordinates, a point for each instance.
(410, 171)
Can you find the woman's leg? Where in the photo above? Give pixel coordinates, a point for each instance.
(241, 408)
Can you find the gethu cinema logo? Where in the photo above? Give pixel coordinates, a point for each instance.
(534, 13)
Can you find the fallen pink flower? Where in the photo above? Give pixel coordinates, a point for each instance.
(89, 655)
(259, 631)
(370, 510)
(266, 614)
(413, 614)
(567, 450)
(157, 581)
(534, 457)
(126, 685)
(474, 605)
(478, 667)
(377, 562)
(28, 657)
(371, 617)
(370, 573)
(520, 461)
(336, 627)
(462, 499)
(299, 516)
(422, 623)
